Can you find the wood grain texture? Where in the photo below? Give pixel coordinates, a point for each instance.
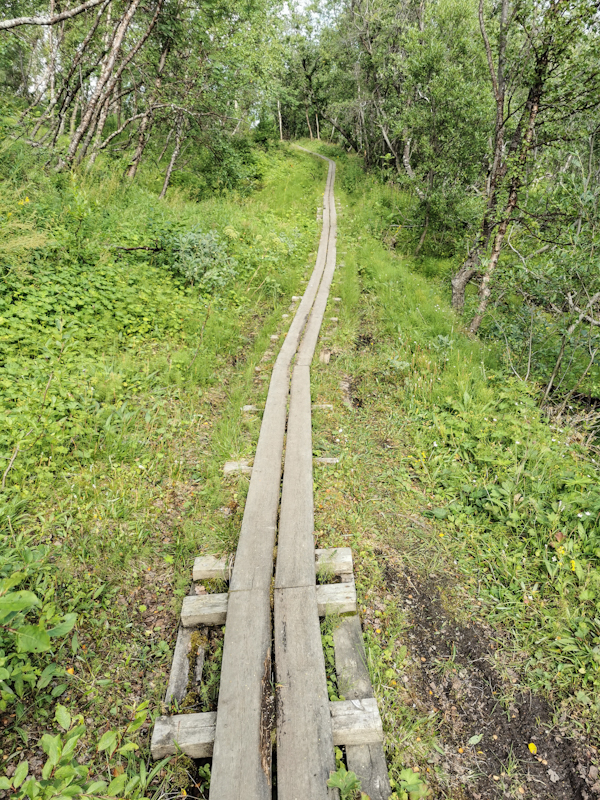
(356, 722)
(366, 760)
(204, 609)
(304, 735)
(295, 544)
(336, 598)
(210, 567)
(238, 771)
(354, 681)
(193, 734)
(180, 668)
(334, 560)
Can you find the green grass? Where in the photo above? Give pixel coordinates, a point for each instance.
(448, 467)
(121, 401)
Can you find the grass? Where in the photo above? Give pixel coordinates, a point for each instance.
(120, 483)
(449, 476)
(449, 469)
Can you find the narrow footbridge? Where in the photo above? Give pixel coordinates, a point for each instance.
(273, 673)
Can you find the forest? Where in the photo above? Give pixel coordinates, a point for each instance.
(156, 220)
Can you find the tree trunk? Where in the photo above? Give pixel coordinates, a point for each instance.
(174, 155)
(147, 120)
(531, 109)
(308, 123)
(318, 131)
(423, 235)
(280, 121)
(103, 80)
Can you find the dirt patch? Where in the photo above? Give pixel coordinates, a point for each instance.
(487, 720)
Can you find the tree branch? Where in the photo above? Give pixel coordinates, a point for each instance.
(73, 12)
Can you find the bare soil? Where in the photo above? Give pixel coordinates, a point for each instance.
(454, 675)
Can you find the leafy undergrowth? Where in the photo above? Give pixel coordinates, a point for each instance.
(133, 331)
(474, 529)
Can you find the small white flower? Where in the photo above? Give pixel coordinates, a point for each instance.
(587, 513)
(435, 444)
(517, 442)
(553, 558)
(580, 515)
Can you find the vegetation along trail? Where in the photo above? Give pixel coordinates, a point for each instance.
(159, 228)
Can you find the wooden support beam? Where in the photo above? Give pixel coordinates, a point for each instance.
(334, 561)
(205, 609)
(336, 598)
(192, 734)
(356, 722)
(180, 668)
(352, 722)
(210, 567)
(366, 760)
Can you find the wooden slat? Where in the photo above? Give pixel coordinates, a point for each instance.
(210, 567)
(356, 722)
(180, 668)
(304, 736)
(354, 682)
(241, 766)
(334, 560)
(295, 544)
(205, 609)
(336, 598)
(192, 734)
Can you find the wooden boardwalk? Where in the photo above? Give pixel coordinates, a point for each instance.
(239, 736)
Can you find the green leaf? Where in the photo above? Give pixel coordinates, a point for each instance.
(64, 627)
(18, 601)
(96, 787)
(108, 741)
(5, 783)
(49, 672)
(475, 739)
(117, 785)
(63, 717)
(52, 747)
(20, 774)
(32, 639)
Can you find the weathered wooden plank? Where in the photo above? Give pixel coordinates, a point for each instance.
(209, 567)
(354, 682)
(241, 768)
(336, 598)
(295, 544)
(198, 667)
(205, 609)
(192, 734)
(356, 722)
(304, 736)
(334, 561)
(232, 467)
(180, 668)
(367, 761)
